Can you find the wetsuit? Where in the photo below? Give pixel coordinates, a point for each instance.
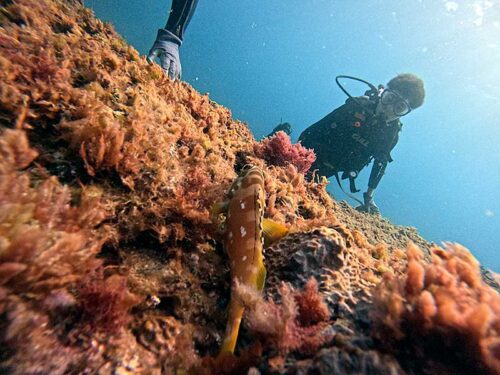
(348, 138)
(179, 16)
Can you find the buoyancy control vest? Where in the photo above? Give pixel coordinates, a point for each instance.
(348, 138)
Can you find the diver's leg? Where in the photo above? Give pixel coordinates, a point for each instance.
(180, 15)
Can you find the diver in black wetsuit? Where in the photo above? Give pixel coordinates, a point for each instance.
(363, 129)
(347, 139)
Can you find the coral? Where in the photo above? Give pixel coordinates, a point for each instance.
(278, 150)
(441, 307)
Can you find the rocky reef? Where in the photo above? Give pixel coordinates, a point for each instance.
(110, 262)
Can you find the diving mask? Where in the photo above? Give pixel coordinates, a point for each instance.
(400, 105)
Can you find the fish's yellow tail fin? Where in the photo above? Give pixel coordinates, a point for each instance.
(233, 326)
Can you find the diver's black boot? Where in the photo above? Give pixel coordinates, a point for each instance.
(284, 127)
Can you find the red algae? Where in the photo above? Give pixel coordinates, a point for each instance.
(298, 323)
(278, 150)
(105, 302)
(46, 247)
(311, 307)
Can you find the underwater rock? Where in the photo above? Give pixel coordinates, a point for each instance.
(337, 361)
(301, 255)
(346, 271)
(108, 172)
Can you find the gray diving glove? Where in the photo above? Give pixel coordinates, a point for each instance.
(369, 206)
(166, 48)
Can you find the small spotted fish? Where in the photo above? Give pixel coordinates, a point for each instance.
(244, 231)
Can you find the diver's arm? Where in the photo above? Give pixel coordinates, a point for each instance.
(376, 175)
(370, 192)
(381, 158)
(179, 16)
(169, 39)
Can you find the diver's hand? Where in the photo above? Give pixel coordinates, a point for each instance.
(166, 48)
(369, 206)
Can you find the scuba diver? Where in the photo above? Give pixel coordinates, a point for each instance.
(346, 140)
(363, 129)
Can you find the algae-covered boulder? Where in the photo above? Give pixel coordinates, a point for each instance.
(111, 262)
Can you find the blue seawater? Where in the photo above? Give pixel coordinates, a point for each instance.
(269, 60)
